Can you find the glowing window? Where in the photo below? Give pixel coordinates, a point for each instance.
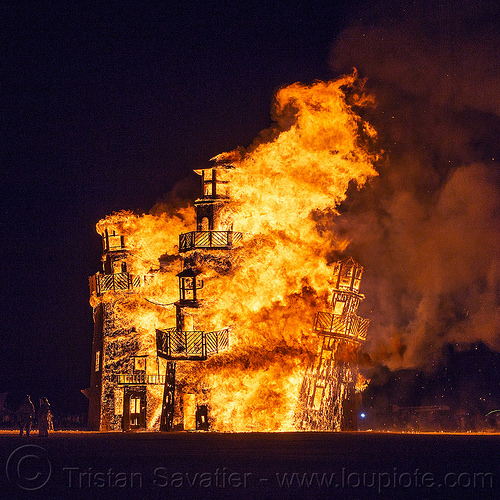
(135, 405)
(115, 241)
(140, 364)
(97, 360)
(339, 307)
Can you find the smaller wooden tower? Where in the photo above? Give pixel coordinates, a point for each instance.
(327, 398)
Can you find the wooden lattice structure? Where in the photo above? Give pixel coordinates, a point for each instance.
(327, 398)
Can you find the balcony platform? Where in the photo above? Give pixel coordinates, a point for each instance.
(206, 240)
(139, 379)
(101, 283)
(349, 326)
(176, 345)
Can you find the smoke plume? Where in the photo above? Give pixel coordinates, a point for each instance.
(427, 229)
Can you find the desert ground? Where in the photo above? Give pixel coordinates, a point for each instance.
(202, 465)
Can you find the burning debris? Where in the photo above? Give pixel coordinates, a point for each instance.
(212, 327)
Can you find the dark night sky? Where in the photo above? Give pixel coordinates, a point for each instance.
(107, 106)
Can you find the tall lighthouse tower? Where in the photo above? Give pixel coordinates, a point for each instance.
(124, 382)
(327, 396)
(210, 246)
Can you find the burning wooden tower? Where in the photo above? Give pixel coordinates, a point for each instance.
(133, 377)
(327, 398)
(125, 378)
(209, 246)
(146, 376)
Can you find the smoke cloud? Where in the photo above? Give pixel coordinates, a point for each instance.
(427, 229)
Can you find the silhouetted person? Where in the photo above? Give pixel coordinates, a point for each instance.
(44, 418)
(25, 415)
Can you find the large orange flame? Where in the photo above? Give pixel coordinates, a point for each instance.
(283, 194)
